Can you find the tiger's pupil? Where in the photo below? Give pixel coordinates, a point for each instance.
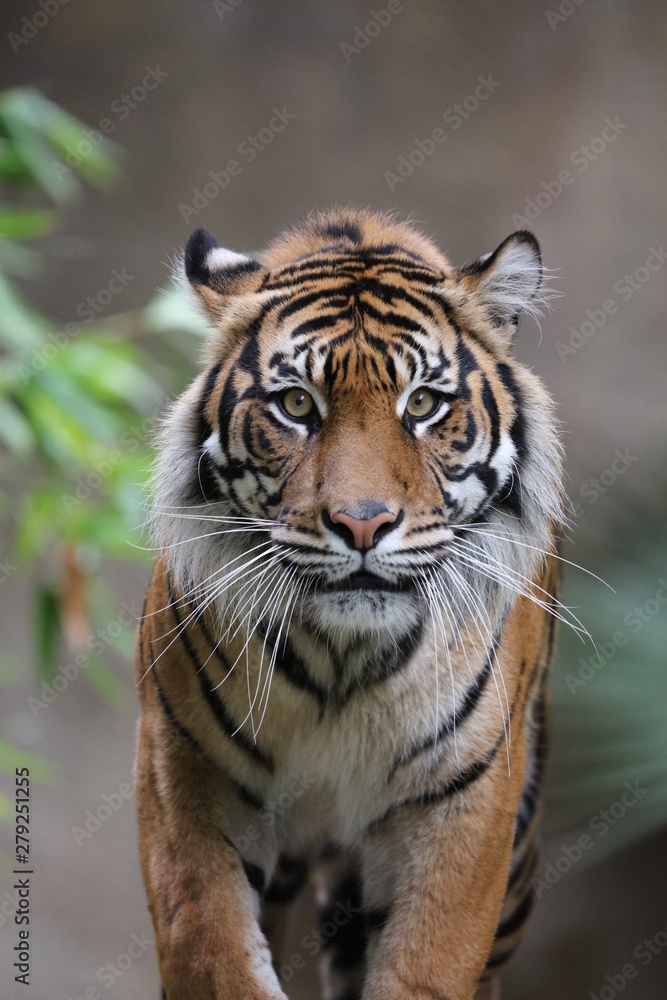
(298, 403)
(421, 403)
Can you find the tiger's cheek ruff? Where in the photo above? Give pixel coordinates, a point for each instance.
(389, 683)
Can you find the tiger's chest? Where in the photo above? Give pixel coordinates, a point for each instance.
(343, 762)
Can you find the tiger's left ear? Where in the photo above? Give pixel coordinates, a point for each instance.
(219, 275)
(506, 281)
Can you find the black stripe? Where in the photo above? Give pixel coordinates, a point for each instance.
(244, 793)
(204, 428)
(213, 646)
(517, 919)
(412, 274)
(527, 861)
(248, 361)
(290, 875)
(500, 958)
(314, 325)
(467, 365)
(518, 428)
(179, 728)
(348, 944)
(491, 407)
(551, 637)
(391, 293)
(368, 257)
(396, 319)
(377, 917)
(248, 796)
(343, 231)
(466, 778)
(223, 280)
(527, 807)
(212, 698)
(332, 296)
(255, 875)
(294, 670)
(389, 663)
(472, 697)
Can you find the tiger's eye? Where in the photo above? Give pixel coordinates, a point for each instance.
(421, 403)
(298, 403)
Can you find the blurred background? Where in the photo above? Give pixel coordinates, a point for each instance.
(122, 128)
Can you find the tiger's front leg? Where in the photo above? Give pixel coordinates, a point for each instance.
(434, 882)
(201, 896)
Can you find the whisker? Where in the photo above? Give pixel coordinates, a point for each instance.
(535, 548)
(196, 538)
(502, 576)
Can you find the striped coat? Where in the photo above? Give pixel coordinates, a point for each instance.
(342, 658)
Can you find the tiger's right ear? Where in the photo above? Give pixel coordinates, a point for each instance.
(218, 275)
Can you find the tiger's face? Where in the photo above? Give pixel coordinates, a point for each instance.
(360, 423)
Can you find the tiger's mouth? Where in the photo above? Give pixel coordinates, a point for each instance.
(363, 580)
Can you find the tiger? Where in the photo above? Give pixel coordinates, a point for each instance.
(357, 508)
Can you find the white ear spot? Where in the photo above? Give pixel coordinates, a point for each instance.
(220, 259)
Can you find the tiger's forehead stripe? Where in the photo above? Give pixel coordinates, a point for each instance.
(393, 258)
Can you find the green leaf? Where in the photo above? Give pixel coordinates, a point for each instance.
(49, 148)
(15, 429)
(20, 326)
(25, 224)
(49, 630)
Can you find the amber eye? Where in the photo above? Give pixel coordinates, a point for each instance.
(421, 403)
(298, 403)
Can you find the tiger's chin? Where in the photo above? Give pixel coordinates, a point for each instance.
(362, 611)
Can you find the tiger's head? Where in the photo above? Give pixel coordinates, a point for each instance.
(362, 446)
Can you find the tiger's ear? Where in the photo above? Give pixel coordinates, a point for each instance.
(219, 275)
(506, 281)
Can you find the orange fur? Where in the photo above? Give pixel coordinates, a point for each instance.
(407, 745)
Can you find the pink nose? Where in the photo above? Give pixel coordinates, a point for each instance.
(363, 531)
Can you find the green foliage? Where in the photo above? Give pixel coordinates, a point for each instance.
(609, 707)
(77, 405)
(34, 133)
